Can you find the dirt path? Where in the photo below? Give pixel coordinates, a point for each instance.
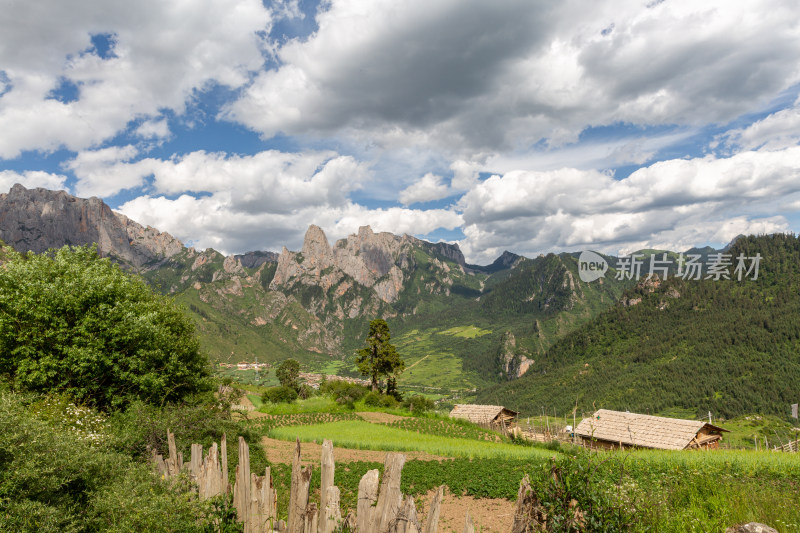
(489, 515)
(281, 451)
(380, 418)
(417, 362)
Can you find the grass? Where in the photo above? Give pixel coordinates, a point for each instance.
(255, 399)
(745, 431)
(364, 435)
(467, 332)
(315, 404)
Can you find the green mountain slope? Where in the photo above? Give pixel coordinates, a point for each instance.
(728, 346)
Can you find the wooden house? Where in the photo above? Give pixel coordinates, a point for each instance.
(492, 416)
(616, 429)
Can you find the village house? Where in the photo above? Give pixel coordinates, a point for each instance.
(493, 416)
(616, 429)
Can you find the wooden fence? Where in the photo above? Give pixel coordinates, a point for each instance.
(381, 508)
(793, 446)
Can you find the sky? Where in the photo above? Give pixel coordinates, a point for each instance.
(531, 126)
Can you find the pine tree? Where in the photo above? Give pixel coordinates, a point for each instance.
(379, 358)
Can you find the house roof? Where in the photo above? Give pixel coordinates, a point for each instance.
(479, 413)
(641, 430)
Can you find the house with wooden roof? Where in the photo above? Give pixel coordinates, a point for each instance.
(493, 416)
(616, 429)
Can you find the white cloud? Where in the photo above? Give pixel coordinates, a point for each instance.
(31, 179)
(268, 181)
(429, 187)
(476, 79)
(673, 204)
(218, 223)
(105, 172)
(153, 129)
(775, 131)
(162, 52)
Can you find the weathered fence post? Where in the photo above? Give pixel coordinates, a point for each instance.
(331, 514)
(175, 460)
(327, 467)
(432, 523)
(241, 486)
(469, 527)
(224, 453)
(367, 496)
(298, 498)
(406, 521)
(390, 497)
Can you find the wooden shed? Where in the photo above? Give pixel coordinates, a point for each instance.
(616, 429)
(493, 416)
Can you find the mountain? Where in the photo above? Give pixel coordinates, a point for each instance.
(38, 219)
(452, 321)
(726, 346)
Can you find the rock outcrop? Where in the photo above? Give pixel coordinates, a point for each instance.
(256, 259)
(39, 219)
(514, 361)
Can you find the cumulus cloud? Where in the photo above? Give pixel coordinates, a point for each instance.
(158, 54)
(31, 179)
(673, 204)
(268, 181)
(153, 129)
(217, 222)
(775, 131)
(474, 79)
(430, 187)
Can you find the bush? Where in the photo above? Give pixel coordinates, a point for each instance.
(279, 394)
(52, 480)
(375, 399)
(342, 391)
(306, 391)
(418, 404)
(75, 323)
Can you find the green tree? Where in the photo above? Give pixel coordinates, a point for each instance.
(288, 373)
(73, 322)
(379, 358)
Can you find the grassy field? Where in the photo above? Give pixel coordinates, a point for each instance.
(643, 490)
(432, 360)
(364, 435)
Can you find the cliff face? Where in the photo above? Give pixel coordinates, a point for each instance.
(513, 361)
(38, 219)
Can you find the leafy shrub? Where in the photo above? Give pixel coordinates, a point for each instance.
(343, 392)
(281, 394)
(574, 496)
(305, 392)
(418, 404)
(52, 480)
(75, 323)
(373, 399)
(376, 399)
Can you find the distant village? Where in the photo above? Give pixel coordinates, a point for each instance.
(311, 379)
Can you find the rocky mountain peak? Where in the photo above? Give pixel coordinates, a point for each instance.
(316, 249)
(39, 219)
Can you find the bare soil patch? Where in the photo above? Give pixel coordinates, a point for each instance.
(281, 451)
(380, 418)
(489, 515)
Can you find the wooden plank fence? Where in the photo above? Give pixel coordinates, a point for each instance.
(793, 446)
(381, 507)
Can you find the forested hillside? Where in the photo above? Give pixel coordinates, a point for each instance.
(727, 346)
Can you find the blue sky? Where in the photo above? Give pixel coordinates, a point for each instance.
(529, 126)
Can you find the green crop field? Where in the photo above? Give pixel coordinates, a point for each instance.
(364, 435)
